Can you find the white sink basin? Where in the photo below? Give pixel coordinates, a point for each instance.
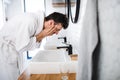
(48, 62)
(51, 56)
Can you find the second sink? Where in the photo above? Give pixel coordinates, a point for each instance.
(48, 61)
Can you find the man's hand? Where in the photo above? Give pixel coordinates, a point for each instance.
(46, 32)
(49, 31)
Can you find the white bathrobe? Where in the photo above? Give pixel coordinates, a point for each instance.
(88, 39)
(16, 36)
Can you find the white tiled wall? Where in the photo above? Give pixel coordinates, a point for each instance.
(73, 36)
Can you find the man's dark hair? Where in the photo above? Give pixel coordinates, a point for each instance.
(58, 18)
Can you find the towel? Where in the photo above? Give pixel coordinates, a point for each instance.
(88, 39)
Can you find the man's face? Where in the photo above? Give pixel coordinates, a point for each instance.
(57, 26)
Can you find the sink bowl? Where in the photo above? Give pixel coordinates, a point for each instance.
(51, 56)
(48, 62)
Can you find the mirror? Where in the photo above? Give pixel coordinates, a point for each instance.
(69, 7)
(73, 11)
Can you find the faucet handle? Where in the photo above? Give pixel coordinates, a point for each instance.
(65, 39)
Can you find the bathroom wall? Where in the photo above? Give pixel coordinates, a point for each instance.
(34, 5)
(8, 9)
(15, 7)
(1, 14)
(73, 35)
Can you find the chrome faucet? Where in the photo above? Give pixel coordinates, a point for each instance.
(68, 48)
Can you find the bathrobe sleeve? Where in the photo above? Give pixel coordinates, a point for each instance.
(30, 26)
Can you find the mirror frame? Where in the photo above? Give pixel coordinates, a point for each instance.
(77, 11)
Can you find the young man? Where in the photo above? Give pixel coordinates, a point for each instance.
(22, 33)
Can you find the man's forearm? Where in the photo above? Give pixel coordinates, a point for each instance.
(39, 37)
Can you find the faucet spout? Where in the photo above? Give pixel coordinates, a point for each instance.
(69, 48)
